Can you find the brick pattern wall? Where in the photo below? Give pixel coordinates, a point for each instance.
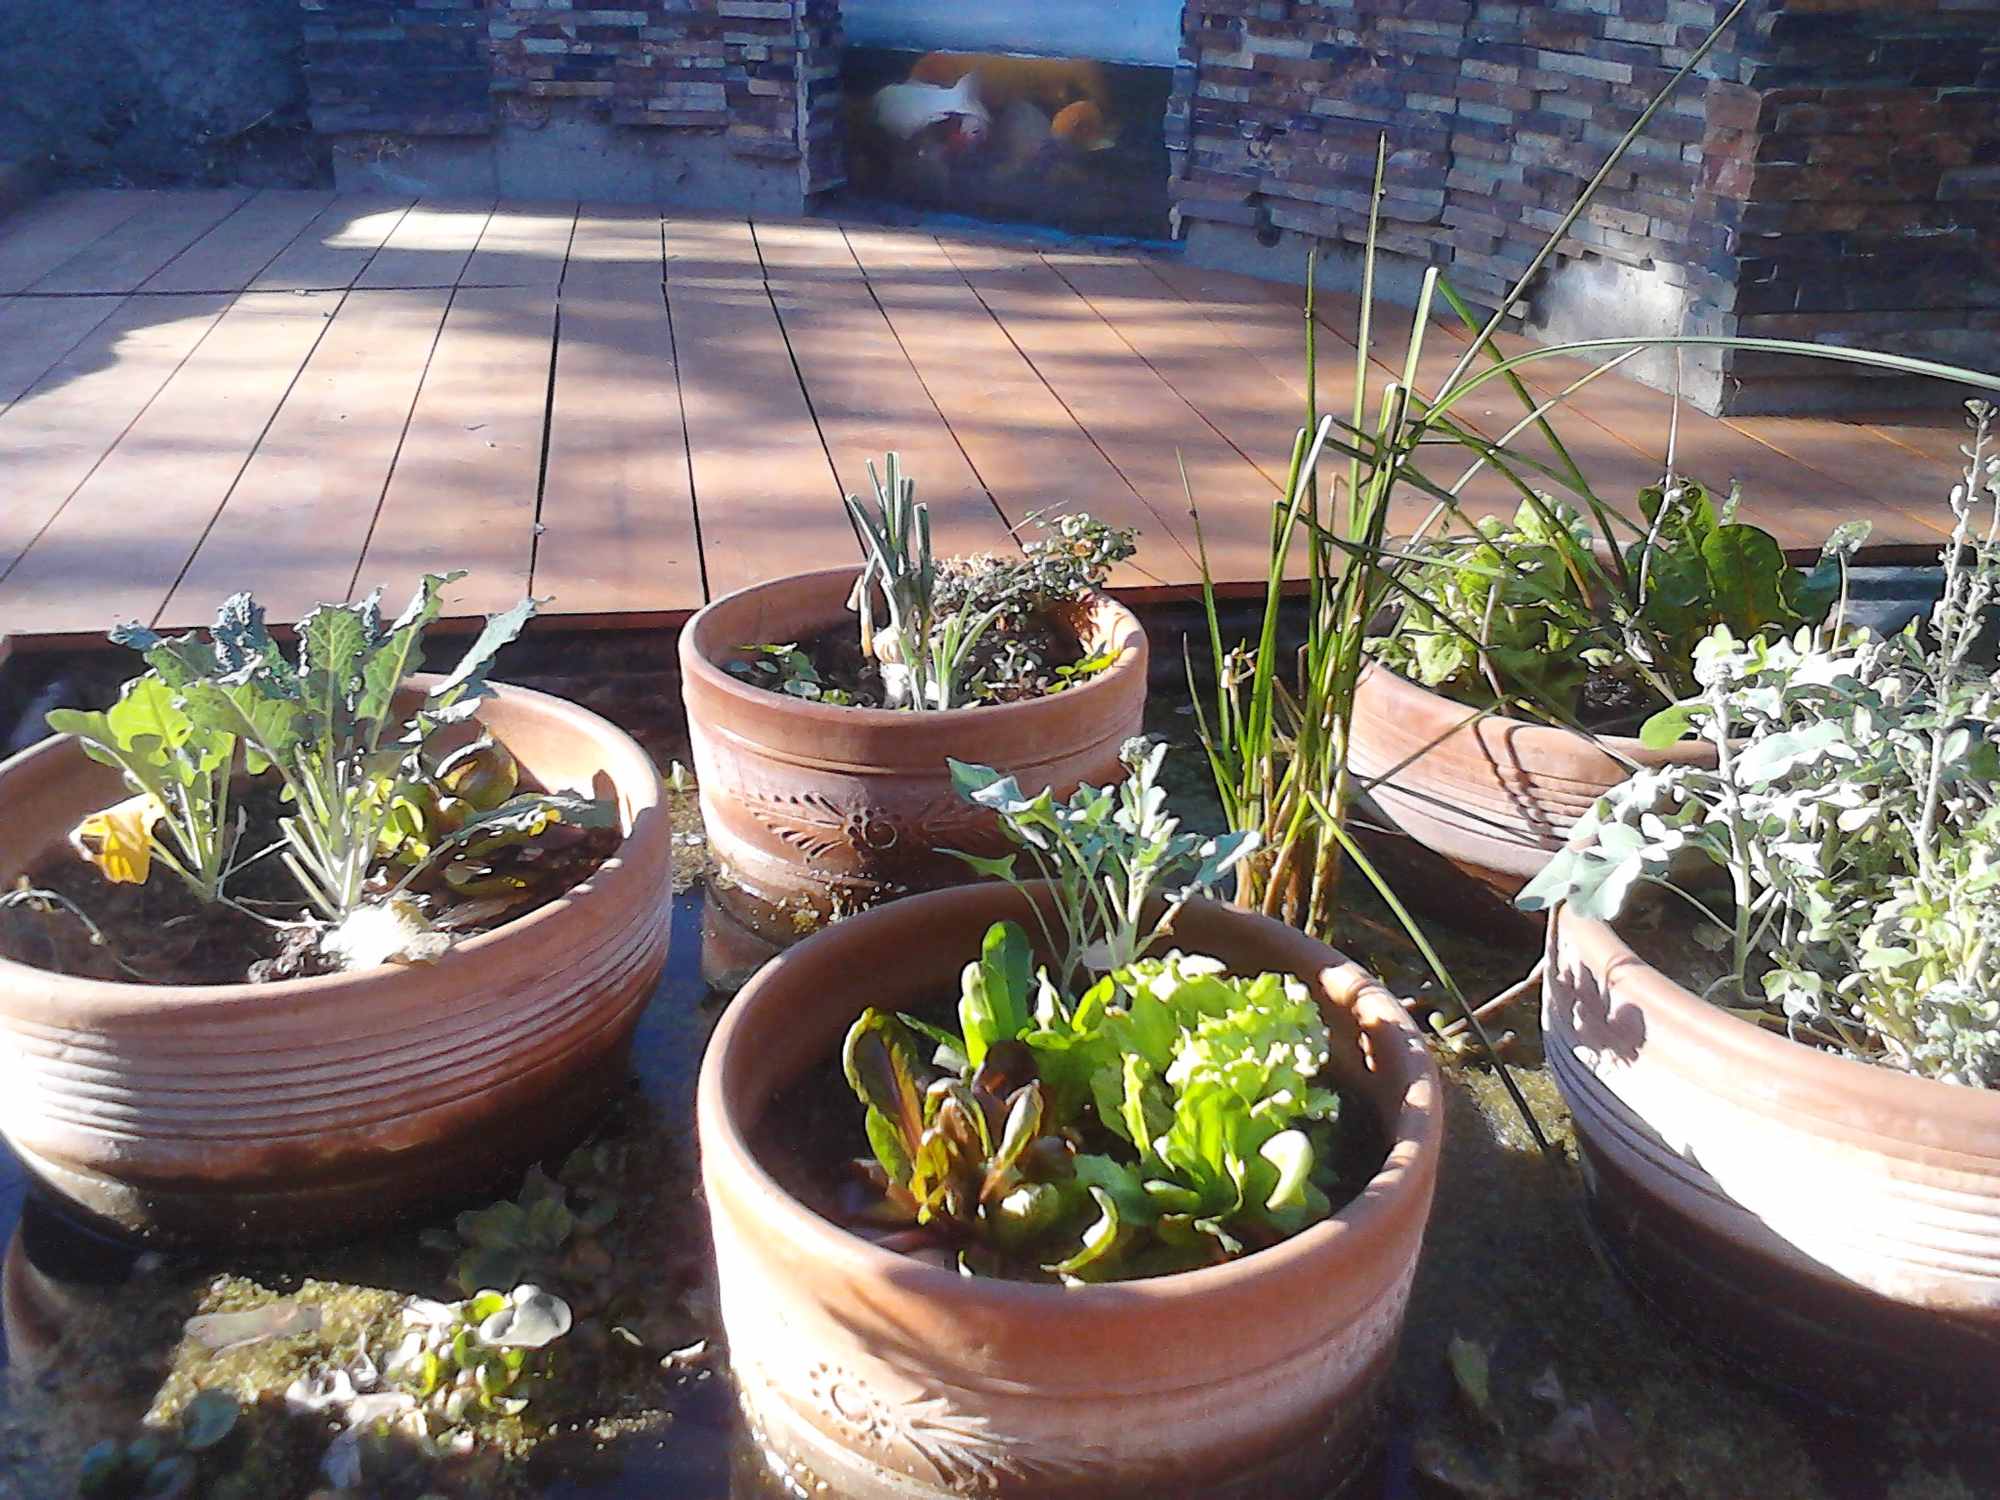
(418, 66)
(1832, 172)
(1856, 165)
(757, 72)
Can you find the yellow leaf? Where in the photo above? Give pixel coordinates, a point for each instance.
(119, 840)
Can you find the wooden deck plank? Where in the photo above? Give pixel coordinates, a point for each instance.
(523, 244)
(121, 260)
(1137, 418)
(868, 400)
(463, 491)
(766, 494)
(618, 531)
(429, 245)
(336, 247)
(236, 251)
(615, 247)
(35, 242)
(1025, 447)
(56, 434)
(794, 249)
(1867, 462)
(1940, 436)
(36, 332)
(297, 520)
(1252, 410)
(1796, 504)
(91, 566)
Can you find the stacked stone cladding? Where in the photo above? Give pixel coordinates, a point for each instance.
(762, 74)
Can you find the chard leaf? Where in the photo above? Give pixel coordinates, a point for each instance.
(1293, 1201)
(879, 1059)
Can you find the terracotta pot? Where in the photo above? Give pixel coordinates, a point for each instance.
(320, 1107)
(885, 1376)
(815, 811)
(1494, 795)
(1832, 1224)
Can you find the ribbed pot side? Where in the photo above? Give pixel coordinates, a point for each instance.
(1832, 1225)
(886, 1377)
(1495, 795)
(814, 810)
(315, 1108)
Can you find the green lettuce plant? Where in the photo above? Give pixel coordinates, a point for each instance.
(1192, 1090)
(1162, 1115)
(1840, 855)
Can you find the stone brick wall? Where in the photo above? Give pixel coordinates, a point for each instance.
(1855, 163)
(1830, 173)
(752, 75)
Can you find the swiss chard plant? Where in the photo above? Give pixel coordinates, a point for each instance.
(1532, 615)
(1841, 855)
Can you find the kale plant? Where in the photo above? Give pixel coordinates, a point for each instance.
(1852, 817)
(1107, 852)
(365, 781)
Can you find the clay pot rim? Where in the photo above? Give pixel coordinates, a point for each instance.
(1532, 735)
(698, 659)
(631, 769)
(1415, 1140)
(1734, 1043)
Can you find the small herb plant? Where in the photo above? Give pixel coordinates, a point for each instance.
(1851, 823)
(385, 820)
(1545, 616)
(1116, 1114)
(942, 633)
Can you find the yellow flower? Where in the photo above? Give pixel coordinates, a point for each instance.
(119, 840)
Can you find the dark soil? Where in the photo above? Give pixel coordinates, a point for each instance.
(811, 1137)
(837, 659)
(161, 933)
(1610, 704)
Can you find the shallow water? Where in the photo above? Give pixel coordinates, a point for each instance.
(1591, 1395)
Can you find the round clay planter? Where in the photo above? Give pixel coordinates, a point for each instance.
(886, 1377)
(1831, 1224)
(815, 810)
(1496, 796)
(315, 1108)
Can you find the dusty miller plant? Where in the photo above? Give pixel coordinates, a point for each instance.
(1851, 814)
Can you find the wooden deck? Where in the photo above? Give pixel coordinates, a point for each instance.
(308, 395)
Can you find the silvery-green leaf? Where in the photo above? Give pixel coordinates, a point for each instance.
(532, 1319)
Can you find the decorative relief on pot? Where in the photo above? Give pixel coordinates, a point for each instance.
(818, 824)
(963, 1451)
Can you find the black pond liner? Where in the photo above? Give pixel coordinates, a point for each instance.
(1507, 1259)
